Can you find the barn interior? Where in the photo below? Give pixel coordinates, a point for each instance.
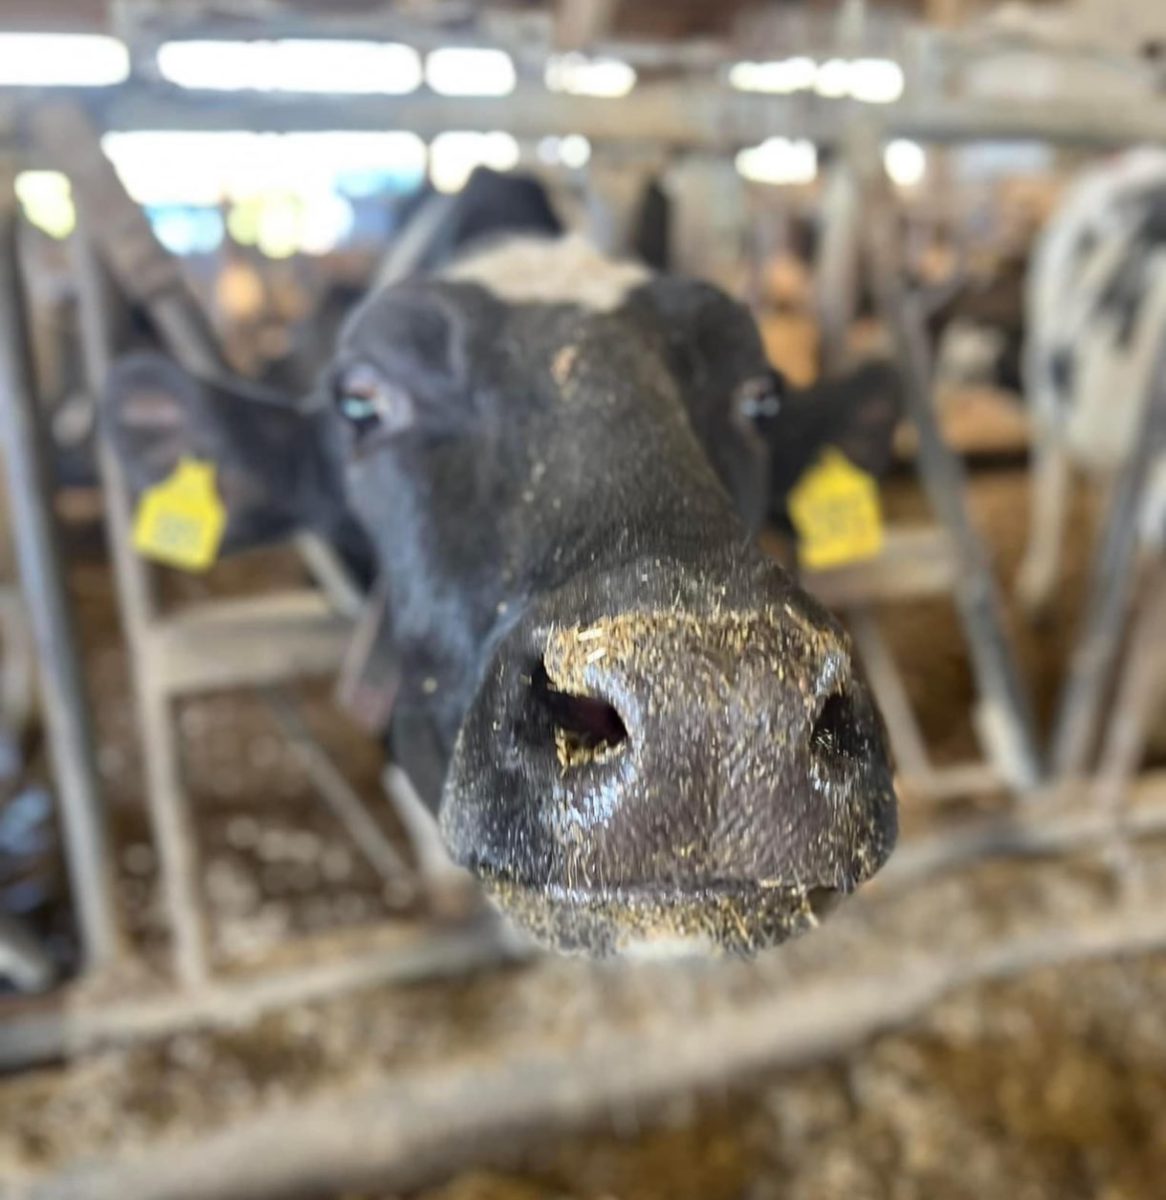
(235, 962)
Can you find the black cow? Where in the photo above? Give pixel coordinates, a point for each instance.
(856, 412)
(978, 329)
(643, 730)
(437, 228)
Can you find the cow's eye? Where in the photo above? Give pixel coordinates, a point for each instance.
(370, 403)
(760, 399)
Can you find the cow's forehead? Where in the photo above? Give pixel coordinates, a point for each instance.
(541, 271)
(531, 294)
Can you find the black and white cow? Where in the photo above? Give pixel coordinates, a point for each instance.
(1096, 315)
(637, 728)
(857, 412)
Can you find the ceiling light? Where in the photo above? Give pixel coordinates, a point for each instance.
(62, 60)
(470, 71)
(779, 160)
(781, 77)
(293, 65)
(579, 75)
(905, 162)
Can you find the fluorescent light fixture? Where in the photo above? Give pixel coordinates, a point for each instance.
(500, 151)
(47, 200)
(62, 60)
(905, 162)
(572, 151)
(346, 150)
(833, 79)
(165, 167)
(327, 221)
(201, 168)
(454, 155)
(781, 77)
(321, 65)
(470, 71)
(869, 80)
(779, 160)
(243, 220)
(580, 75)
(876, 80)
(279, 226)
(978, 162)
(300, 162)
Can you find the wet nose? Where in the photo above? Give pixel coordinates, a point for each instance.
(728, 682)
(671, 752)
(732, 745)
(684, 769)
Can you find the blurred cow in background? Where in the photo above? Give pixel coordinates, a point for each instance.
(1096, 315)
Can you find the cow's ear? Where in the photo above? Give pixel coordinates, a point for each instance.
(152, 412)
(869, 403)
(272, 466)
(856, 412)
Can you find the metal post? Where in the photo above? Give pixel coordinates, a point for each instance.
(616, 182)
(837, 272)
(42, 577)
(910, 750)
(1110, 585)
(143, 268)
(1004, 717)
(18, 666)
(339, 795)
(1140, 687)
(169, 812)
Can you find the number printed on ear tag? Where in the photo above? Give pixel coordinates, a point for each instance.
(180, 521)
(836, 513)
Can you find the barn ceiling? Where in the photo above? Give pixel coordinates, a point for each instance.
(1077, 72)
(572, 22)
(938, 42)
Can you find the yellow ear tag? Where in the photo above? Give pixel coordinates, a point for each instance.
(836, 513)
(180, 521)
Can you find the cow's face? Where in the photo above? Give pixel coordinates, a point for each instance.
(655, 736)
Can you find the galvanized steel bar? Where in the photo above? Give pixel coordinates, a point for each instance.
(42, 578)
(1004, 717)
(169, 812)
(122, 234)
(1110, 588)
(1141, 685)
(685, 114)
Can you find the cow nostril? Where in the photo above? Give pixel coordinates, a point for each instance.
(585, 728)
(835, 733)
(822, 901)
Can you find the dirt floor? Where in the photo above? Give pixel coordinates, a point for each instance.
(276, 861)
(1050, 1085)
(981, 1100)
